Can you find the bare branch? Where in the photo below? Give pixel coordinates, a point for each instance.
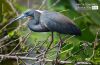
(43, 2)
(42, 60)
(55, 3)
(12, 6)
(34, 59)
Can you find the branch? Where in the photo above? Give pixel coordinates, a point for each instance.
(31, 58)
(12, 6)
(7, 36)
(42, 4)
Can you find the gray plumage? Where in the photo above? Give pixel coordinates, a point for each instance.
(54, 22)
(46, 21)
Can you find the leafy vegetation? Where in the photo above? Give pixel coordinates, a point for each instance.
(82, 48)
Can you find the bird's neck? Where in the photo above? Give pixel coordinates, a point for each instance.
(33, 21)
(37, 16)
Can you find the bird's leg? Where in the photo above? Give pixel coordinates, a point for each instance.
(61, 41)
(50, 43)
(59, 47)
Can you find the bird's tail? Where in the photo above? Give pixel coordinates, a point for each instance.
(76, 31)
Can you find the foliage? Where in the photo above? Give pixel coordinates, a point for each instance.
(88, 20)
(81, 48)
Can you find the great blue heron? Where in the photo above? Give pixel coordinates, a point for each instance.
(47, 21)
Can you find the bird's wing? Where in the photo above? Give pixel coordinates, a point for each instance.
(36, 27)
(55, 21)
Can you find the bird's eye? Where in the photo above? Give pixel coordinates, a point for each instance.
(29, 13)
(26, 13)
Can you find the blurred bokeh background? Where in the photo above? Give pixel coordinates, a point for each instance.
(17, 38)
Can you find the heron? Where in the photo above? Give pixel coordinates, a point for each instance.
(49, 21)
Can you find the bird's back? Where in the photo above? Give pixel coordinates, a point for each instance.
(57, 22)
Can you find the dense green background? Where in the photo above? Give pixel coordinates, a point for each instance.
(88, 21)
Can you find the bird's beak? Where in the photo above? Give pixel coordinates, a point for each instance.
(17, 18)
(20, 17)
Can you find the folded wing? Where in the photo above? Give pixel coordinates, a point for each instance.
(57, 22)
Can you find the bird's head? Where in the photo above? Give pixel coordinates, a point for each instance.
(28, 13)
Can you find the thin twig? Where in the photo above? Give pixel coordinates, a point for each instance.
(30, 50)
(43, 43)
(9, 43)
(19, 53)
(12, 6)
(95, 44)
(19, 43)
(74, 53)
(17, 61)
(52, 38)
(14, 9)
(7, 36)
(43, 2)
(21, 60)
(55, 3)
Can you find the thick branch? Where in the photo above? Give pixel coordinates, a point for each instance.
(31, 58)
(36, 59)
